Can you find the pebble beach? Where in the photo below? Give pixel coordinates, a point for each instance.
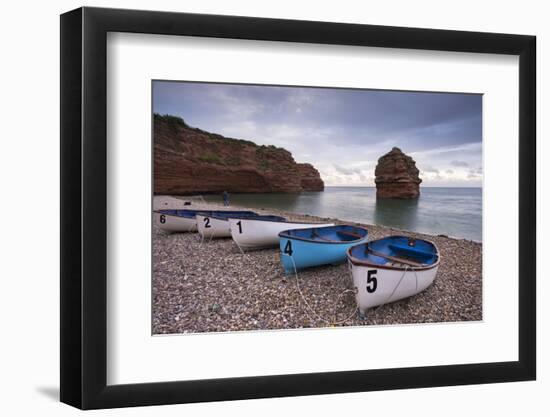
(211, 286)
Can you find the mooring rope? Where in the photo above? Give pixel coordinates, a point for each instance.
(319, 317)
(203, 239)
(407, 267)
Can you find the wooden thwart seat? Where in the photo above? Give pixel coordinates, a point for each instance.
(396, 259)
(350, 234)
(410, 250)
(314, 234)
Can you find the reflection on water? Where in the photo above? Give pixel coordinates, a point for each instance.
(449, 211)
(282, 201)
(401, 214)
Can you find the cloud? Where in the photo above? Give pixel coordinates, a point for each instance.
(457, 163)
(449, 171)
(475, 173)
(341, 132)
(346, 171)
(430, 170)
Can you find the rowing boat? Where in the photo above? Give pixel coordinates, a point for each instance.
(314, 246)
(256, 233)
(391, 269)
(184, 220)
(216, 224)
(176, 220)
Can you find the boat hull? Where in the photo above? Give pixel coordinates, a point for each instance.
(298, 254)
(377, 285)
(212, 227)
(175, 224)
(257, 234)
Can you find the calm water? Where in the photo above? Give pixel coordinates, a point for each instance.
(449, 211)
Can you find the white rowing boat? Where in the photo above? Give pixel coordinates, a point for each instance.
(175, 221)
(256, 233)
(392, 268)
(215, 224)
(210, 226)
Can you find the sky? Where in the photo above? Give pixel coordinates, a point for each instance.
(342, 132)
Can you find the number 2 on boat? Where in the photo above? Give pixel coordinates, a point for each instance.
(206, 222)
(371, 279)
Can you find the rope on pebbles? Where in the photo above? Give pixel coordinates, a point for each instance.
(318, 316)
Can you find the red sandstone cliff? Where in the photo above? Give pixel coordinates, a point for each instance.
(396, 176)
(190, 161)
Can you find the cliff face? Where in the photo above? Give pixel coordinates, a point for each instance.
(396, 176)
(191, 161)
(309, 178)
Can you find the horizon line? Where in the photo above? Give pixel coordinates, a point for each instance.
(424, 186)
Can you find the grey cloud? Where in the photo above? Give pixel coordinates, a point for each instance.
(335, 127)
(457, 163)
(430, 170)
(346, 171)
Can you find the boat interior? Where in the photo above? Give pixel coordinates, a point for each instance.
(179, 213)
(258, 217)
(213, 213)
(331, 234)
(397, 251)
(237, 214)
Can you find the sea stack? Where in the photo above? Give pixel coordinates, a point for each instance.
(396, 176)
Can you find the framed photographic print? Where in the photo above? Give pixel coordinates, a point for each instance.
(258, 207)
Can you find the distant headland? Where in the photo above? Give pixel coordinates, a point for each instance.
(189, 160)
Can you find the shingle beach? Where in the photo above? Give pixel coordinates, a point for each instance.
(211, 286)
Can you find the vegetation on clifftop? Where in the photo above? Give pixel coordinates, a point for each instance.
(176, 121)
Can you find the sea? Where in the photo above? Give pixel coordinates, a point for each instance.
(454, 212)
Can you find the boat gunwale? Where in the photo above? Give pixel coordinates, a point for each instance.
(198, 212)
(332, 242)
(358, 262)
(288, 222)
(174, 215)
(226, 218)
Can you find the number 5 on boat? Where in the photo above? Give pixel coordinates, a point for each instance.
(391, 269)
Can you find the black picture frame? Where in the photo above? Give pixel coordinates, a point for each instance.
(84, 207)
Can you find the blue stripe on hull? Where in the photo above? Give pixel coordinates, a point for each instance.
(192, 213)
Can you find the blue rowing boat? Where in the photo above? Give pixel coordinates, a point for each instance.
(304, 248)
